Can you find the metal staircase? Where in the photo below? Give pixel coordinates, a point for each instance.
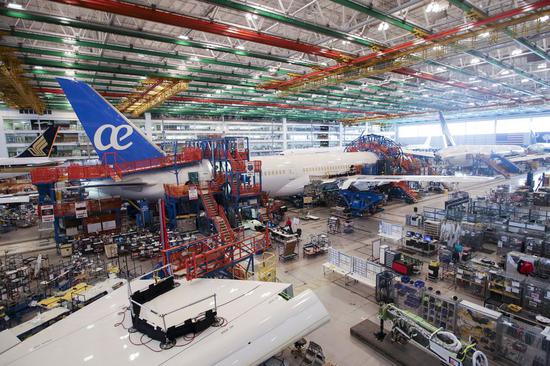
(216, 213)
(409, 194)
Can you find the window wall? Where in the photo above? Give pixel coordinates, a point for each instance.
(487, 131)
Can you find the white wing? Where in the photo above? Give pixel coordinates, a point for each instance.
(376, 180)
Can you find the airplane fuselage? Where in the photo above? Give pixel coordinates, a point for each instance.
(282, 175)
(463, 155)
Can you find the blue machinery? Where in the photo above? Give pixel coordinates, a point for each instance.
(361, 202)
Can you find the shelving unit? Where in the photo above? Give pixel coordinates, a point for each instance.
(432, 228)
(472, 280)
(479, 323)
(439, 311)
(503, 289)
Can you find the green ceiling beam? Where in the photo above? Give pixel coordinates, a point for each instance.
(474, 11)
(494, 61)
(409, 27)
(138, 51)
(394, 100)
(417, 31)
(282, 18)
(164, 66)
(75, 23)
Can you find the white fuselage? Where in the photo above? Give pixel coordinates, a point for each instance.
(462, 155)
(282, 175)
(539, 148)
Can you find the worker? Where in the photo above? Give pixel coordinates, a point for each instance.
(288, 225)
(457, 250)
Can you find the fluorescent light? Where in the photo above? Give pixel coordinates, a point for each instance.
(69, 72)
(183, 36)
(69, 41)
(475, 61)
(541, 66)
(542, 19)
(240, 47)
(505, 72)
(435, 7)
(345, 42)
(38, 67)
(524, 80)
(516, 52)
(383, 26)
(69, 53)
(15, 6)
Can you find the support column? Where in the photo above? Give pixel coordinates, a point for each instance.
(3, 143)
(148, 126)
(285, 134)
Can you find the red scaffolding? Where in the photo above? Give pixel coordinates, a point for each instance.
(113, 171)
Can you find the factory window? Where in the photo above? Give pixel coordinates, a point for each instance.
(513, 125)
(540, 124)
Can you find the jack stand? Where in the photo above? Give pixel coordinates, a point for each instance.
(380, 335)
(167, 344)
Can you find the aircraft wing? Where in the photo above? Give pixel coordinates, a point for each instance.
(25, 162)
(519, 159)
(422, 154)
(377, 180)
(259, 324)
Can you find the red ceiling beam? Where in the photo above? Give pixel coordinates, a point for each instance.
(416, 42)
(161, 16)
(438, 79)
(230, 102)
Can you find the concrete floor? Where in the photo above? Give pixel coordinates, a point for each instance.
(347, 305)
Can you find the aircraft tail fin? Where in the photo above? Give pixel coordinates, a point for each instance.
(113, 136)
(447, 137)
(42, 146)
(428, 142)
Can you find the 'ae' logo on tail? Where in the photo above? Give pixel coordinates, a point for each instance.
(38, 148)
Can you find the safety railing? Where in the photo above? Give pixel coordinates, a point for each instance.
(170, 332)
(114, 170)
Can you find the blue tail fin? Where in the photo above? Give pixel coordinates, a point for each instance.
(109, 131)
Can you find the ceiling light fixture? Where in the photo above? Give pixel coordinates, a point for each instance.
(541, 66)
(485, 35)
(69, 72)
(475, 61)
(69, 41)
(436, 7)
(383, 26)
(15, 6)
(544, 18)
(183, 36)
(505, 72)
(240, 47)
(524, 80)
(516, 52)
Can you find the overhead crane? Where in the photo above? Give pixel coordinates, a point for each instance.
(333, 73)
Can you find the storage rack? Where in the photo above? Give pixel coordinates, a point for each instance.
(479, 323)
(503, 289)
(432, 228)
(408, 295)
(522, 343)
(472, 280)
(535, 297)
(439, 310)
